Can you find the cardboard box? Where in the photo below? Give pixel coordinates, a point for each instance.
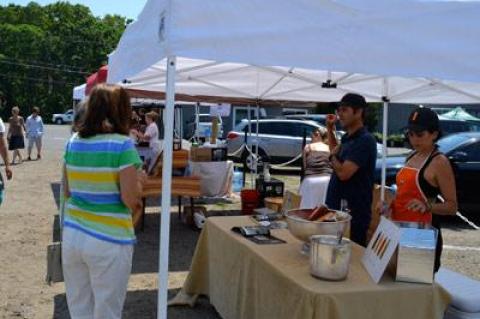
(208, 154)
(201, 154)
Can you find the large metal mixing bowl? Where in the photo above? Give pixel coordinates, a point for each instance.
(303, 229)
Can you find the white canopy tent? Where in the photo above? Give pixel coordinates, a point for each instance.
(79, 92)
(397, 51)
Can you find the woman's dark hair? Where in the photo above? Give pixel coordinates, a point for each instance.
(108, 111)
(79, 116)
(406, 140)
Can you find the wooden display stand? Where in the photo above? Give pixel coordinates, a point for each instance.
(181, 186)
(274, 203)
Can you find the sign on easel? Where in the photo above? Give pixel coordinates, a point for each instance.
(381, 248)
(222, 110)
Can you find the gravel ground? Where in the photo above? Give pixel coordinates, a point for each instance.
(27, 219)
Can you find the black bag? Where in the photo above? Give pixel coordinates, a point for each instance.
(54, 253)
(2, 188)
(54, 263)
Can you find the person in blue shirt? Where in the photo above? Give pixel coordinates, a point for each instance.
(34, 128)
(353, 163)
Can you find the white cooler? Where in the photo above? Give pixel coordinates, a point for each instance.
(465, 294)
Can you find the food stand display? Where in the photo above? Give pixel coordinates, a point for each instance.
(210, 163)
(247, 280)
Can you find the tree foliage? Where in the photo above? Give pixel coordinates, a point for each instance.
(47, 50)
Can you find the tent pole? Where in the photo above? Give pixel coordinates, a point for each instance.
(166, 190)
(384, 149)
(256, 142)
(249, 117)
(384, 138)
(197, 120)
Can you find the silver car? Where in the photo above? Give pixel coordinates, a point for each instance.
(279, 140)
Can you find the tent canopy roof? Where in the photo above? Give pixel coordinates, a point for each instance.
(201, 80)
(230, 50)
(459, 113)
(79, 92)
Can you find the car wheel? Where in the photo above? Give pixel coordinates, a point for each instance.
(250, 160)
(59, 121)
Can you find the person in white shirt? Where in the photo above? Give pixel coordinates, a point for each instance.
(150, 136)
(4, 154)
(34, 126)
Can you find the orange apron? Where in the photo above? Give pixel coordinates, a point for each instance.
(407, 189)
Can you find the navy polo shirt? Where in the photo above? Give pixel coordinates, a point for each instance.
(360, 148)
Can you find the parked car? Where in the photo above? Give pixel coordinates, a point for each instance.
(463, 151)
(456, 126)
(63, 118)
(204, 126)
(279, 140)
(319, 118)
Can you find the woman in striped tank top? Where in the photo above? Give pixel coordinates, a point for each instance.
(101, 191)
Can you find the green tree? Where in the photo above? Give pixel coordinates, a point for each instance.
(47, 50)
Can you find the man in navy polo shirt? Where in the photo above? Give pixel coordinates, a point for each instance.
(353, 162)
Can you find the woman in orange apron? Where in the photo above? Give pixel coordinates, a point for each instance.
(426, 176)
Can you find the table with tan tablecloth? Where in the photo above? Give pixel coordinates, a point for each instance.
(246, 280)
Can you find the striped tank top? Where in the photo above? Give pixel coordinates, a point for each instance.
(95, 206)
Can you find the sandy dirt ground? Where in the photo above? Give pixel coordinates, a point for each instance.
(27, 220)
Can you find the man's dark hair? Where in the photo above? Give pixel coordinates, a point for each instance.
(356, 102)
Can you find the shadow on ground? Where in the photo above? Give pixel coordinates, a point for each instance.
(142, 304)
(145, 304)
(455, 223)
(183, 239)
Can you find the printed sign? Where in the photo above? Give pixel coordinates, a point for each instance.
(381, 248)
(291, 201)
(222, 110)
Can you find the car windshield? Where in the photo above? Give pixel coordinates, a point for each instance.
(205, 118)
(448, 143)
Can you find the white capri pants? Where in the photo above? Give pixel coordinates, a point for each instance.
(96, 275)
(314, 190)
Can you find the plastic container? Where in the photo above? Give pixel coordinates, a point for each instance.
(250, 200)
(237, 181)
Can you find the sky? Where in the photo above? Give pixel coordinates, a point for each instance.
(126, 8)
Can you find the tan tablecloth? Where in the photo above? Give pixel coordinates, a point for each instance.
(246, 280)
(216, 177)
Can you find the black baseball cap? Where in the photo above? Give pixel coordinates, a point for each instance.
(353, 100)
(423, 119)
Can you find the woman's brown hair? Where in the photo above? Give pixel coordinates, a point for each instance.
(108, 111)
(321, 132)
(152, 115)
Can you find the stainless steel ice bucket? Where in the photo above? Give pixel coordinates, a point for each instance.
(416, 253)
(329, 259)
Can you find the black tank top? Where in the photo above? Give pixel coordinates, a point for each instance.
(431, 192)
